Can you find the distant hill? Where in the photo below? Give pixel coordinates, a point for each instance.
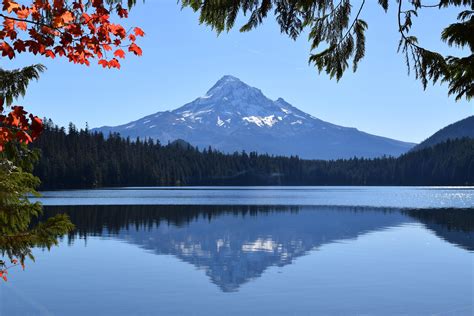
(460, 129)
(233, 116)
(181, 144)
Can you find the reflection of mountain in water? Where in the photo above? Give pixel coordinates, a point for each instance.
(235, 244)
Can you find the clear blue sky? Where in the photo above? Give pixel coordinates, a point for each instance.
(183, 59)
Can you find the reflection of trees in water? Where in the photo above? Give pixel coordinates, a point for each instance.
(232, 244)
(92, 220)
(460, 220)
(453, 225)
(18, 233)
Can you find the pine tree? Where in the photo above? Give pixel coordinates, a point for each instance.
(17, 234)
(337, 27)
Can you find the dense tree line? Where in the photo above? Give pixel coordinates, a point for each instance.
(95, 220)
(454, 225)
(81, 159)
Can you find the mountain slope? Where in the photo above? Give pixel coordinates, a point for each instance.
(460, 129)
(233, 116)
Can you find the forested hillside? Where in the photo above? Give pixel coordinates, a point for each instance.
(459, 129)
(81, 159)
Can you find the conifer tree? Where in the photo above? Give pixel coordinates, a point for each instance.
(17, 234)
(337, 33)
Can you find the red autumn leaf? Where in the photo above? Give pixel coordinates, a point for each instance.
(10, 6)
(119, 53)
(36, 126)
(103, 62)
(16, 126)
(19, 46)
(67, 17)
(59, 28)
(23, 13)
(117, 30)
(23, 137)
(114, 63)
(16, 117)
(58, 4)
(138, 31)
(49, 53)
(135, 49)
(78, 6)
(123, 13)
(73, 30)
(22, 26)
(59, 50)
(3, 275)
(8, 25)
(7, 50)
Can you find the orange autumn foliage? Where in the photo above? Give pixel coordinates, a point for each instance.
(66, 29)
(18, 125)
(3, 274)
(79, 30)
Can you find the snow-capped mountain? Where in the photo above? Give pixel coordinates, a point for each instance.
(232, 116)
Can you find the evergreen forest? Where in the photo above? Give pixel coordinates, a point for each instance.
(77, 158)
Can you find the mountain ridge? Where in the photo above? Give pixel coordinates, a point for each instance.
(459, 129)
(233, 116)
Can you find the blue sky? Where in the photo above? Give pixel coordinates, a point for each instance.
(183, 59)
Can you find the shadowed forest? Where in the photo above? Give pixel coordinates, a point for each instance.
(81, 159)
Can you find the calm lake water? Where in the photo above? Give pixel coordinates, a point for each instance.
(254, 251)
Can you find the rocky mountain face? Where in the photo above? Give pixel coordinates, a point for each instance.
(232, 116)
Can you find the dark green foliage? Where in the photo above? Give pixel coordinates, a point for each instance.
(80, 159)
(338, 32)
(461, 69)
(129, 3)
(17, 234)
(13, 83)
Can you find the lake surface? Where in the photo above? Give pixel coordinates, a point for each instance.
(254, 251)
(397, 197)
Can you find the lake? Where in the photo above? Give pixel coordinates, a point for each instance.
(253, 251)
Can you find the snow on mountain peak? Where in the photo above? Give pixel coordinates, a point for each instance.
(262, 121)
(235, 116)
(229, 102)
(229, 87)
